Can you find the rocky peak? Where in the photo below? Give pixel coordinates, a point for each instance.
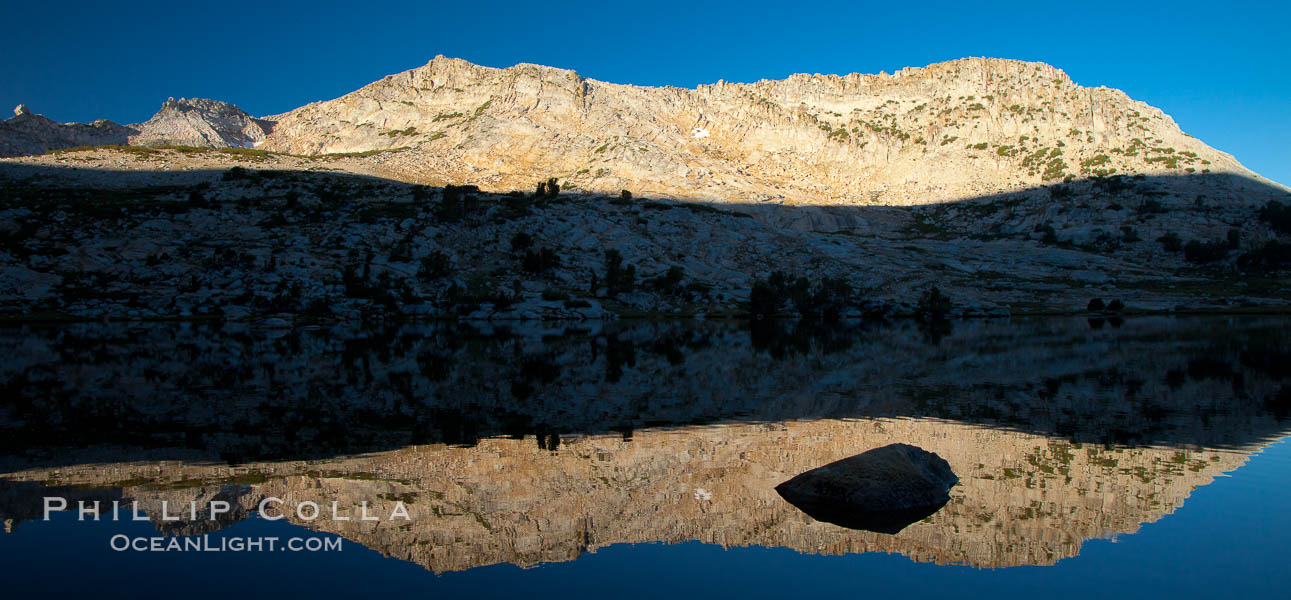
(189, 122)
(199, 105)
(945, 132)
(201, 122)
(27, 132)
(948, 131)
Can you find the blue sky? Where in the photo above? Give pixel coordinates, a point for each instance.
(1223, 71)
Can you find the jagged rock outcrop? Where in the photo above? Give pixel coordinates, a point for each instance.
(949, 131)
(196, 122)
(29, 133)
(201, 123)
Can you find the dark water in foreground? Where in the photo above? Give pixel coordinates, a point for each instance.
(1145, 458)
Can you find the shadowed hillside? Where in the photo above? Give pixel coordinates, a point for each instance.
(234, 238)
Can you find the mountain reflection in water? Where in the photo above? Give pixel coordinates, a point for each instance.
(527, 446)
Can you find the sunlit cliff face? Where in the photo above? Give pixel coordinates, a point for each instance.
(944, 132)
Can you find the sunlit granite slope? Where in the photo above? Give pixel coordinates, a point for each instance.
(187, 122)
(948, 131)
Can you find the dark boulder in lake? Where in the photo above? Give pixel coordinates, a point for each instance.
(882, 490)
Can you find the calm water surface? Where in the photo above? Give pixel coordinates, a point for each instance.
(1146, 457)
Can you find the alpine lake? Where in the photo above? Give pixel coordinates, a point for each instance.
(1105, 457)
